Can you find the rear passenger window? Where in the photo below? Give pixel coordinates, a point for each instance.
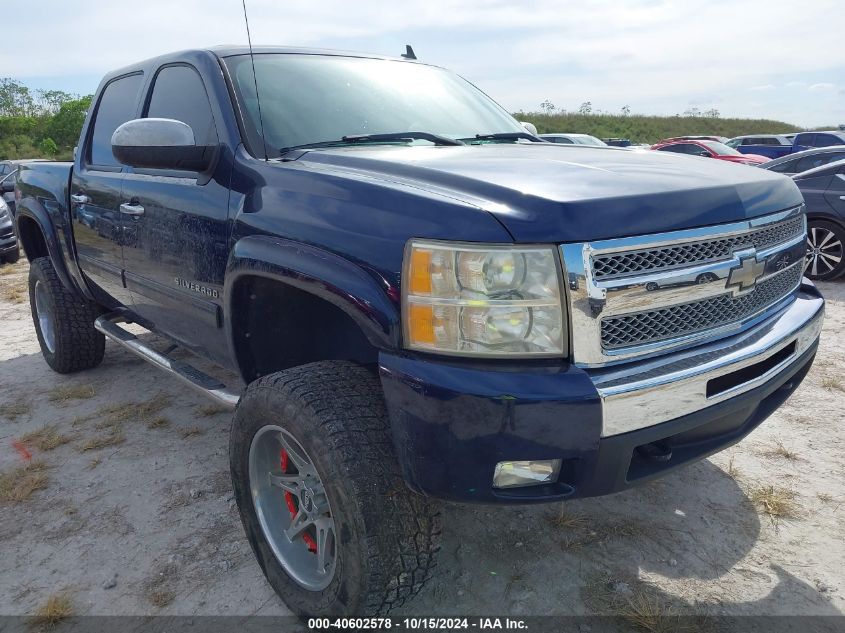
(117, 106)
(178, 93)
(826, 140)
(786, 167)
(675, 149)
(809, 162)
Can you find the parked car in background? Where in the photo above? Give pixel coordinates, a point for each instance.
(806, 140)
(573, 139)
(777, 145)
(8, 177)
(618, 142)
(720, 139)
(823, 189)
(9, 251)
(808, 159)
(6, 168)
(709, 149)
(7, 190)
(764, 140)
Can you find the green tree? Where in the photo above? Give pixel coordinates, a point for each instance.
(17, 146)
(15, 98)
(65, 125)
(48, 147)
(50, 101)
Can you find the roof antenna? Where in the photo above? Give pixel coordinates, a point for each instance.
(255, 81)
(409, 52)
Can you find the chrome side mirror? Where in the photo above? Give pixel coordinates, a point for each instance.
(160, 144)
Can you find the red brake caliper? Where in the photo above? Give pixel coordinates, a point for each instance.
(291, 504)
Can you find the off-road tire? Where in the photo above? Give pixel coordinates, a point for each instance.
(78, 346)
(387, 535)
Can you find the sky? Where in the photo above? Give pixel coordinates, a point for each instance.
(746, 58)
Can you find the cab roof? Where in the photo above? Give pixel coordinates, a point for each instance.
(225, 51)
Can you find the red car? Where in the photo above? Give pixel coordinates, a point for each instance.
(710, 149)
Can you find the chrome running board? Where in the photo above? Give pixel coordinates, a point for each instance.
(107, 324)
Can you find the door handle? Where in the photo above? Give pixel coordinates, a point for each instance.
(842, 197)
(131, 209)
(79, 198)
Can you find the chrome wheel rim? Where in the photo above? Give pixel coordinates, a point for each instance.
(45, 319)
(824, 251)
(293, 508)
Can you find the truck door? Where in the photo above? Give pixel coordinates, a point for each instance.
(176, 259)
(98, 227)
(803, 141)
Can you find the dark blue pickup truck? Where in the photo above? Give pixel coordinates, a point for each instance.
(776, 145)
(423, 300)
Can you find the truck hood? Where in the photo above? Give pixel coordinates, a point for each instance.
(554, 193)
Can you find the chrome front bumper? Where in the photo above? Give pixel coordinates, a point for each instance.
(645, 393)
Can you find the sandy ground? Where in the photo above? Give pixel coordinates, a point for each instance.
(136, 515)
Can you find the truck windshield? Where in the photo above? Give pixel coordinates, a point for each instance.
(316, 98)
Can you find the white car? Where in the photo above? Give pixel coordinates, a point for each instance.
(574, 139)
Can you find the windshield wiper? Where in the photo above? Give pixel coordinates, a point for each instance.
(437, 139)
(505, 136)
(377, 138)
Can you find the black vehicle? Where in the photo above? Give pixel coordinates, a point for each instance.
(823, 189)
(617, 142)
(9, 251)
(424, 300)
(7, 189)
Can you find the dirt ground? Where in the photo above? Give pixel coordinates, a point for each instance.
(132, 512)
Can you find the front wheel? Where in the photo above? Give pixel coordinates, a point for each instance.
(321, 497)
(825, 254)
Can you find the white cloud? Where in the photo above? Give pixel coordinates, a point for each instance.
(822, 87)
(763, 88)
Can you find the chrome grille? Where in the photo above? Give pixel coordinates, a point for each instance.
(688, 318)
(616, 265)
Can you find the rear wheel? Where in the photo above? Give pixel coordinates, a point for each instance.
(825, 253)
(320, 494)
(64, 322)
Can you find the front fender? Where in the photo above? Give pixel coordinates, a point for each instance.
(321, 273)
(28, 211)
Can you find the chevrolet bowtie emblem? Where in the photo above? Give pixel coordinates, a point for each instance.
(745, 276)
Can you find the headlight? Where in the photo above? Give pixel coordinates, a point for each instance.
(482, 300)
(4, 210)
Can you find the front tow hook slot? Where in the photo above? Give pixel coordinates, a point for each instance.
(655, 452)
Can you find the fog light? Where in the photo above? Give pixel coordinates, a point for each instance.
(529, 473)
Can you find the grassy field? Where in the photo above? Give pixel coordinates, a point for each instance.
(650, 129)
